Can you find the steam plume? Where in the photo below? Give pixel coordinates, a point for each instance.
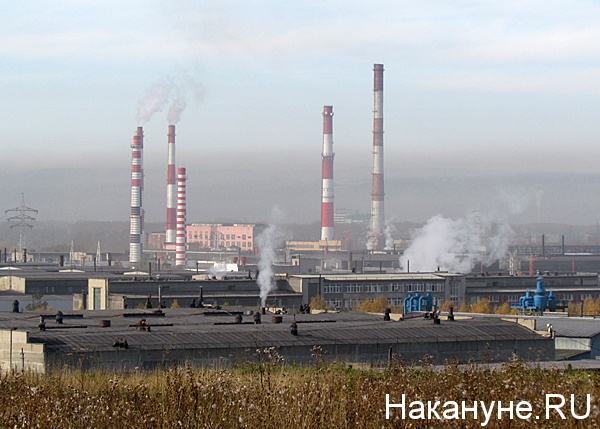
(168, 90)
(267, 244)
(176, 109)
(457, 245)
(389, 232)
(373, 239)
(155, 99)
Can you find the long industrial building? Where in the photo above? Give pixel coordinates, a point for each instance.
(146, 339)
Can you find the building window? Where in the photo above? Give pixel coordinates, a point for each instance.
(352, 303)
(434, 287)
(453, 291)
(354, 288)
(513, 298)
(373, 288)
(332, 288)
(395, 302)
(334, 303)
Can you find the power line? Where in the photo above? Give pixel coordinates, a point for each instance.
(22, 220)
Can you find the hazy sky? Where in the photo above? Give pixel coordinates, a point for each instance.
(479, 96)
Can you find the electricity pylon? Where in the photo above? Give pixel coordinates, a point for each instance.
(23, 220)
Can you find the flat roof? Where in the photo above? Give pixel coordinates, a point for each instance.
(378, 276)
(190, 328)
(572, 327)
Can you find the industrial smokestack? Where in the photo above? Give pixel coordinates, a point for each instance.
(171, 188)
(327, 175)
(377, 206)
(137, 186)
(180, 246)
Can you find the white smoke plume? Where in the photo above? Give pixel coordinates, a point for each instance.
(176, 109)
(538, 203)
(267, 242)
(457, 245)
(388, 233)
(373, 239)
(172, 91)
(154, 99)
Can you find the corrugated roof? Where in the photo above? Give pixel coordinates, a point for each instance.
(379, 276)
(574, 327)
(192, 330)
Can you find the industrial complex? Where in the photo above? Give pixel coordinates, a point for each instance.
(213, 293)
(205, 318)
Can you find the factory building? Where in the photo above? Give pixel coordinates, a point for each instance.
(221, 236)
(314, 246)
(298, 281)
(233, 288)
(349, 290)
(499, 289)
(575, 337)
(147, 339)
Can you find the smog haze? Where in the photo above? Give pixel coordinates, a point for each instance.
(481, 101)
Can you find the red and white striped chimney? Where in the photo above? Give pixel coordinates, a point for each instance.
(377, 206)
(137, 186)
(327, 175)
(171, 188)
(181, 239)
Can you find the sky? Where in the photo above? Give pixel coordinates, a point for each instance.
(481, 99)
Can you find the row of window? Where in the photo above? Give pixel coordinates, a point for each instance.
(355, 303)
(514, 299)
(242, 244)
(219, 236)
(380, 287)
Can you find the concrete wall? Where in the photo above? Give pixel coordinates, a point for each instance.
(12, 283)
(79, 301)
(581, 344)
(370, 353)
(24, 355)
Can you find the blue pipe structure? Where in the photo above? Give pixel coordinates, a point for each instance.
(418, 302)
(539, 302)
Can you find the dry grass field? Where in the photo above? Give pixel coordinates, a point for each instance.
(267, 393)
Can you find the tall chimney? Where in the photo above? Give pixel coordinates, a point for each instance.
(327, 175)
(171, 188)
(377, 206)
(137, 186)
(180, 246)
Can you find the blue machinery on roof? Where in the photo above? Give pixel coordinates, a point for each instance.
(418, 302)
(539, 302)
